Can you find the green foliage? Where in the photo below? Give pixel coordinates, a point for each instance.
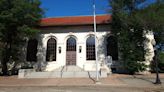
(161, 57)
(130, 19)
(18, 20)
(152, 18)
(161, 61)
(127, 28)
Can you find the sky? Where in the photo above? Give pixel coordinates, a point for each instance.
(60, 8)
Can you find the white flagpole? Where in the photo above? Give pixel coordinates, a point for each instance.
(94, 14)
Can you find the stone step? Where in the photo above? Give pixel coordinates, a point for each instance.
(68, 68)
(65, 74)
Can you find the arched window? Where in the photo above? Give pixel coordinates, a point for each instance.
(112, 47)
(32, 50)
(90, 48)
(71, 44)
(51, 50)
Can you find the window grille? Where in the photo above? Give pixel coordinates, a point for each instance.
(51, 50)
(90, 48)
(71, 44)
(71, 51)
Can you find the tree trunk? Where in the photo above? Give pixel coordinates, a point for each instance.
(158, 81)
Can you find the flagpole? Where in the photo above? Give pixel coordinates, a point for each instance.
(94, 14)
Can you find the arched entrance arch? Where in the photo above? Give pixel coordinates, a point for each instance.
(51, 50)
(71, 51)
(112, 47)
(90, 48)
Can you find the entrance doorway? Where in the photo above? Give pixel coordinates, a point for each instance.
(71, 51)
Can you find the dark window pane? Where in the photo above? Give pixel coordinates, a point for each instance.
(90, 48)
(112, 47)
(51, 50)
(71, 44)
(32, 50)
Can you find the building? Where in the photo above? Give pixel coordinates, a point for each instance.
(66, 45)
(70, 41)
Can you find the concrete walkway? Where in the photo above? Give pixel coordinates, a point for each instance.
(112, 80)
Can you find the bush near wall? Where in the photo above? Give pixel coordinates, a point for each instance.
(161, 61)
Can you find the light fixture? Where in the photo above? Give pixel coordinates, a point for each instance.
(80, 49)
(59, 49)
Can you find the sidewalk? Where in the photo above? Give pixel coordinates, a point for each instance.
(112, 80)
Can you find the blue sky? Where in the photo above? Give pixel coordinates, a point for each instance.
(60, 8)
(56, 8)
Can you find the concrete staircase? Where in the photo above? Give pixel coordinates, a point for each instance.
(62, 72)
(69, 68)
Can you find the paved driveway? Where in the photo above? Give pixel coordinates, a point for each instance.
(79, 89)
(113, 83)
(141, 82)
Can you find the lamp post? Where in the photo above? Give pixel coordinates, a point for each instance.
(94, 17)
(158, 81)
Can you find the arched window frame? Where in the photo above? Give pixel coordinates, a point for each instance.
(51, 51)
(71, 44)
(112, 47)
(90, 48)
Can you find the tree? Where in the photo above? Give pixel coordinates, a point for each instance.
(161, 61)
(130, 19)
(152, 19)
(18, 19)
(127, 27)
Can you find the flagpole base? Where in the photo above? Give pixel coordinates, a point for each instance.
(97, 82)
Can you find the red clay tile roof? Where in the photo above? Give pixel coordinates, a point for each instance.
(75, 20)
